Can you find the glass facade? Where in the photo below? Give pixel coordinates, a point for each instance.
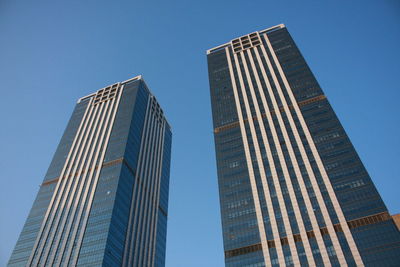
(104, 199)
(293, 191)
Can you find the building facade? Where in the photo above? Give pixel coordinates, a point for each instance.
(293, 191)
(104, 199)
(396, 219)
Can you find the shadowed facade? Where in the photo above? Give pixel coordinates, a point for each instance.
(104, 199)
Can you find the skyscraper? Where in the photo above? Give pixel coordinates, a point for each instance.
(293, 191)
(104, 199)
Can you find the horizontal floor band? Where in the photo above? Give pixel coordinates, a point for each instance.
(372, 219)
(106, 164)
(242, 250)
(50, 181)
(301, 103)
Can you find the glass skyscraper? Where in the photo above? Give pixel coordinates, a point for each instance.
(104, 199)
(293, 191)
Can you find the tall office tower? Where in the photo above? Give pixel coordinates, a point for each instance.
(104, 199)
(293, 191)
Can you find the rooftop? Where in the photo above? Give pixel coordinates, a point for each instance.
(280, 26)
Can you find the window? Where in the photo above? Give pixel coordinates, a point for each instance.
(234, 164)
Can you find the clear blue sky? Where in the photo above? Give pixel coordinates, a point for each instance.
(53, 52)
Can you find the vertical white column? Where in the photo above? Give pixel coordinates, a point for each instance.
(282, 161)
(260, 219)
(293, 159)
(105, 135)
(135, 191)
(154, 191)
(35, 254)
(278, 190)
(144, 195)
(322, 170)
(83, 175)
(140, 191)
(73, 178)
(150, 191)
(316, 189)
(156, 202)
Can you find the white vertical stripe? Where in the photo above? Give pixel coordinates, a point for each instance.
(69, 246)
(278, 190)
(136, 191)
(154, 190)
(321, 244)
(83, 179)
(310, 172)
(260, 220)
(150, 190)
(112, 113)
(136, 184)
(147, 179)
(153, 238)
(286, 174)
(293, 159)
(321, 167)
(73, 180)
(61, 180)
(140, 191)
(148, 213)
(58, 209)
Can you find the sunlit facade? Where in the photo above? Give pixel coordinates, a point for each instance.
(293, 191)
(104, 199)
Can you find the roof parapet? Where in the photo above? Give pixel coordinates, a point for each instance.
(139, 77)
(279, 26)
